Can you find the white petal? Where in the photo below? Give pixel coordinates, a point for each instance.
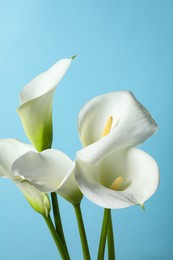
(36, 117)
(39, 201)
(138, 169)
(49, 171)
(132, 125)
(10, 150)
(45, 81)
(35, 110)
(69, 189)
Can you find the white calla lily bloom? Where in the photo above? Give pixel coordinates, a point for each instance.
(50, 170)
(35, 108)
(122, 179)
(10, 150)
(128, 123)
(109, 170)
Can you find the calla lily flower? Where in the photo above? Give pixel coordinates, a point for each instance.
(119, 114)
(50, 170)
(122, 179)
(35, 109)
(109, 170)
(10, 150)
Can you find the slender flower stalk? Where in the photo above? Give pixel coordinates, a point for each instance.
(56, 238)
(110, 240)
(57, 219)
(103, 235)
(82, 232)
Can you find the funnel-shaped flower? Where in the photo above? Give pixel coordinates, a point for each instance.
(122, 179)
(50, 170)
(10, 150)
(129, 124)
(35, 108)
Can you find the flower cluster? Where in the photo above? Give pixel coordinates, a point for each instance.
(109, 170)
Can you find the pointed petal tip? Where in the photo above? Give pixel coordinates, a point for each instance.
(142, 206)
(73, 57)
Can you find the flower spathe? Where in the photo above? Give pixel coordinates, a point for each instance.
(138, 170)
(35, 109)
(109, 170)
(10, 150)
(131, 125)
(50, 170)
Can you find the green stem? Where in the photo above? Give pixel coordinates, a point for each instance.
(103, 234)
(82, 232)
(56, 238)
(57, 219)
(110, 239)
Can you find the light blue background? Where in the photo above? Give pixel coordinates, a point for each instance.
(121, 45)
